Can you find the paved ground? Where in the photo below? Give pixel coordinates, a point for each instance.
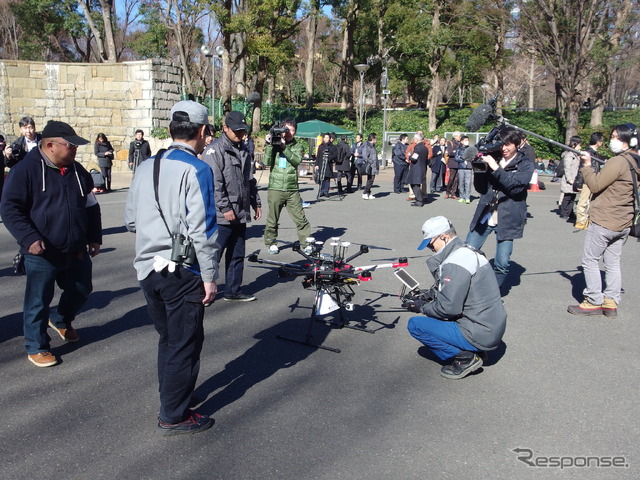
(561, 386)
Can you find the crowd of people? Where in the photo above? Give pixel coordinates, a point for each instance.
(189, 206)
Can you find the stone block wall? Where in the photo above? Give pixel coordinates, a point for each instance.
(110, 98)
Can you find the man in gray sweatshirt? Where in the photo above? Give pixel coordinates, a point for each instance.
(171, 209)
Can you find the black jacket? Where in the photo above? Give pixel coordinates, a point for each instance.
(40, 203)
(326, 157)
(343, 164)
(418, 169)
(100, 148)
(20, 147)
(509, 185)
(397, 154)
(144, 151)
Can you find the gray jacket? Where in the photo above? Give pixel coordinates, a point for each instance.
(370, 157)
(185, 191)
(468, 294)
(235, 187)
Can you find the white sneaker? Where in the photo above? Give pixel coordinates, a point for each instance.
(371, 197)
(306, 204)
(308, 250)
(274, 249)
(365, 196)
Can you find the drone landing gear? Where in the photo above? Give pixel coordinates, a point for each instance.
(342, 322)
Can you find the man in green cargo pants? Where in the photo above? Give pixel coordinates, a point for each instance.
(283, 156)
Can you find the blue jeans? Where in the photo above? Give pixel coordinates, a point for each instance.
(72, 273)
(443, 338)
(464, 180)
(476, 239)
(231, 239)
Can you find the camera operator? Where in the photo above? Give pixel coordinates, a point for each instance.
(325, 158)
(463, 315)
(22, 145)
(139, 151)
(283, 154)
(503, 202)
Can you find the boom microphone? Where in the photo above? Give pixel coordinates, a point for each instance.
(470, 154)
(481, 115)
(253, 97)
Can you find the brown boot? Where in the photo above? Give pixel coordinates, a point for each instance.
(585, 308)
(609, 307)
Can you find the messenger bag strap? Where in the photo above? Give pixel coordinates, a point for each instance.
(156, 179)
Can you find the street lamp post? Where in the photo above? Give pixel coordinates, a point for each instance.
(361, 68)
(217, 52)
(384, 82)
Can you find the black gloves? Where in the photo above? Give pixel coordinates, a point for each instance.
(414, 305)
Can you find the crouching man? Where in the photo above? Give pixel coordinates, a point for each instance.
(464, 317)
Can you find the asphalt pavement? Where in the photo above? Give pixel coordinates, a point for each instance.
(561, 390)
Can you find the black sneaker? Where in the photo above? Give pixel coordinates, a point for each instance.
(463, 364)
(195, 423)
(239, 297)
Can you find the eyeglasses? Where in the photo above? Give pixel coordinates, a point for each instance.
(65, 144)
(430, 246)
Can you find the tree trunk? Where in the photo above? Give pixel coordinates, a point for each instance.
(347, 71)
(433, 97)
(107, 19)
(260, 82)
(240, 65)
(225, 74)
(532, 71)
(312, 31)
(94, 29)
(573, 117)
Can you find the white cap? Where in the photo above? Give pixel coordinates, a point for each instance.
(432, 228)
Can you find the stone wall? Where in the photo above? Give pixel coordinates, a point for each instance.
(112, 98)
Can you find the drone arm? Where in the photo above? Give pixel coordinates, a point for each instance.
(363, 249)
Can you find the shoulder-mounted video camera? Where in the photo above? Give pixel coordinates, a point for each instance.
(489, 145)
(277, 134)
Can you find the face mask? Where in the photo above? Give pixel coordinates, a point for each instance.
(615, 145)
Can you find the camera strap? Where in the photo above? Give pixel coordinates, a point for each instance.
(156, 179)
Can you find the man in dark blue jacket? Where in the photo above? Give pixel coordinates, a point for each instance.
(503, 203)
(49, 207)
(400, 165)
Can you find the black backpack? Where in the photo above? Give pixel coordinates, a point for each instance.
(560, 168)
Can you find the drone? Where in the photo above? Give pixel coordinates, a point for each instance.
(333, 278)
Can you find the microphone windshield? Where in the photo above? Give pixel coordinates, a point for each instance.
(253, 97)
(479, 117)
(470, 154)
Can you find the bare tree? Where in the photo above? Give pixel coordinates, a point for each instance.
(9, 32)
(312, 30)
(105, 43)
(609, 59)
(347, 69)
(564, 33)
